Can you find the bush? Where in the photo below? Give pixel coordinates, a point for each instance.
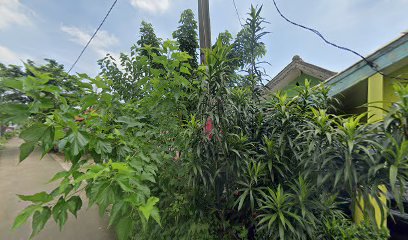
(9, 135)
(192, 155)
(344, 229)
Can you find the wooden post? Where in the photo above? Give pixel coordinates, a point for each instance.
(204, 27)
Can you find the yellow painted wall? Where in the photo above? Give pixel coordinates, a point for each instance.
(389, 93)
(375, 100)
(381, 96)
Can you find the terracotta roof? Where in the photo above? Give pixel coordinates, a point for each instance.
(294, 70)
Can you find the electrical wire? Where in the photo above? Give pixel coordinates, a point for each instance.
(93, 36)
(369, 63)
(236, 11)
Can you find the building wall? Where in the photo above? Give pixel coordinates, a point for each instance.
(291, 87)
(389, 93)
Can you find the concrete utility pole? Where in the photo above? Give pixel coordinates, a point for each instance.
(204, 27)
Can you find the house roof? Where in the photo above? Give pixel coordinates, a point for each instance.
(388, 56)
(294, 69)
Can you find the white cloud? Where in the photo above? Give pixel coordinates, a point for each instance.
(7, 56)
(152, 6)
(12, 13)
(100, 44)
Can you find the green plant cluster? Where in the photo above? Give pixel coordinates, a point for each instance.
(341, 228)
(6, 136)
(187, 153)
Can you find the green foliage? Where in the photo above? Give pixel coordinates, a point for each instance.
(171, 151)
(9, 135)
(186, 35)
(127, 145)
(341, 228)
(11, 76)
(249, 48)
(148, 38)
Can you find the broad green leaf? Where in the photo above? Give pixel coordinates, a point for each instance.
(124, 228)
(148, 177)
(83, 75)
(41, 197)
(185, 70)
(34, 132)
(130, 122)
(12, 83)
(14, 112)
(156, 215)
(59, 133)
(103, 147)
(85, 176)
(26, 149)
(59, 212)
(13, 108)
(78, 142)
(121, 167)
(59, 175)
(41, 77)
(24, 215)
(74, 204)
(124, 184)
(48, 138)
(99, 83)
(40, 218)
(88, 101)
(148, 207)
(117, 211)
(106, 97)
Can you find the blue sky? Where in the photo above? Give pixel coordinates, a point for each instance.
(38, 29)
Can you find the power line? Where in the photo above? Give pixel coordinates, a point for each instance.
(236, 11)
(93, 36)
(369, 63)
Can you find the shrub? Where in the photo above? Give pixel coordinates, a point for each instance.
(344, 229)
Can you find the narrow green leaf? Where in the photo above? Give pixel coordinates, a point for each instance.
(393, 176)
(242, 199)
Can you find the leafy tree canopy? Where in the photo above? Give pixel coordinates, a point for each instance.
(148, 37)
(186, 35)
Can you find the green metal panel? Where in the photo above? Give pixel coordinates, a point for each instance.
(383, 58)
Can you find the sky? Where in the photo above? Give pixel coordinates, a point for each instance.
(38, 29)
